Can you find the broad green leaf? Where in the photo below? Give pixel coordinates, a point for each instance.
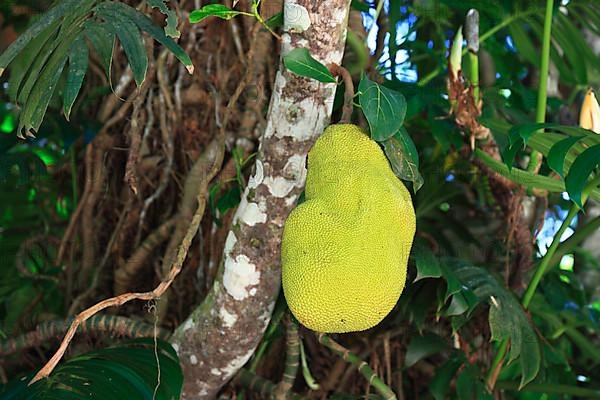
(428, 266)
(103, 40)
(275, 21)
(579, 172)
(509, 153)
(441, 381)
(384, 108)
(171, 27)
(36, 68)
(421, 347)
(506, 316)
(41, 93)
(23, 62)
(146, 24)
(124, 372)
(131, 40)
(558, 152)
(469, 385)
(404, 158)
(78, 63)
(213, 10)
(300, 62)
(527, 131)
(359, 6)
(48, 18)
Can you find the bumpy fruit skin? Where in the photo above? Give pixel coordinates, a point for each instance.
(345, 249)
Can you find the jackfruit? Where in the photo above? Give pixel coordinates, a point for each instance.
(345, 249)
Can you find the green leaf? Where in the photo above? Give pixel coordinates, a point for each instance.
(427, 264)
(506, 316)
(213, 10)
(171, 27)
(124, 372)
(528, 131)
(384, 109)
(24, 61)
(441, 381)
(275, 21)
(404, 158)
(300, 62)
(48, 18)
(579, 172)
(131, 39)
(421, 347)
(510, 152)
(41, 93)
(78, 63)
(359, 6)
(103, 40)
(558, 152)
(146, 24)
(469, 385)
(522, 41)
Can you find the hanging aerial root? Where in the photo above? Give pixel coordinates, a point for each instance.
(216, 157)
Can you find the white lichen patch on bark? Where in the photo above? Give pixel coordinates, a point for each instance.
(228, 318)
(215, 371)
(296, 17)
(279, 186)
(239, 275)
(193, 359)
(250, 213)
(258, 176)
(236, 364)
(188, 324)
(229, 243)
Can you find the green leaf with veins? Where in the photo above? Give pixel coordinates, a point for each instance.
(300, 62)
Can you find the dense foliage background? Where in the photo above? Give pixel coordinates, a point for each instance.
(77, 225)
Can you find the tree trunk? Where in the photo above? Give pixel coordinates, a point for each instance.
(222, 333)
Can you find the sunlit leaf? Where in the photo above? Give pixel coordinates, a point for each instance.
(300, 62)
(213, 10)
(384, 108)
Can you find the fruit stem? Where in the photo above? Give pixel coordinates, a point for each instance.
(338, 70)
(363, 367)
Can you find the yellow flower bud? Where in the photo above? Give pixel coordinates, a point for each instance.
(589, 117)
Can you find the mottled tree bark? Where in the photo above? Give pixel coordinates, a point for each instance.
(223, 332)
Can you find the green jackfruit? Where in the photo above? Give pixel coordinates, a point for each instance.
(345, 248)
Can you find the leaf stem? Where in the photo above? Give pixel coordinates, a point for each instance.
(542, 98)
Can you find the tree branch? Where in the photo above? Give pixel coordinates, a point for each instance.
(223, 332)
